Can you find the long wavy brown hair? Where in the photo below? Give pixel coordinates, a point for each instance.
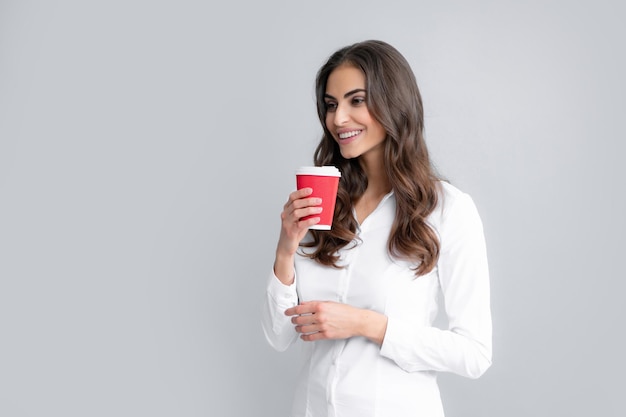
(394, 100)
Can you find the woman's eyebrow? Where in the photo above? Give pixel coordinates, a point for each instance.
(348, 94)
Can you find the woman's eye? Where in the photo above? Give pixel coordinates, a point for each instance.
(358, 100)
(330, 106)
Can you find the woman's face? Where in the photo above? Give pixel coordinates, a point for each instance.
(347, 116)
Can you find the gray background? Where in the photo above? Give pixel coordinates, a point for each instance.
(147, 148)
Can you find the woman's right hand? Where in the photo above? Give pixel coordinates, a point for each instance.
(293, 230)
(293, 227)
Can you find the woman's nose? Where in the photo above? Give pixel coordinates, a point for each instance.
(341, 115)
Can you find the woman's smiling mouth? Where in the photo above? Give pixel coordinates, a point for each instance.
(349, 135)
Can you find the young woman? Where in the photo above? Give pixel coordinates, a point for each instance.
(363, 296)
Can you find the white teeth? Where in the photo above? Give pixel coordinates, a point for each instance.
(347, 135)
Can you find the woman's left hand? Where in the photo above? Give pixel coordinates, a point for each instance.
(318, 320)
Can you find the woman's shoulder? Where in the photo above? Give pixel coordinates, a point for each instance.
(453, 203)
(450, 194)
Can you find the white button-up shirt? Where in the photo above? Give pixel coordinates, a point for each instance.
(357, 378)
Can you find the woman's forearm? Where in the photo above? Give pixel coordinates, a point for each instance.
(373, 325)
(283, 268)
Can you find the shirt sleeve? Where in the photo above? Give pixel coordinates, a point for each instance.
(465, 348)
(278, 329)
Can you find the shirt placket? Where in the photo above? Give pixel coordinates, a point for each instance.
(349, 256)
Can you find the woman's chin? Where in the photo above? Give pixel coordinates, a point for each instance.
(348, 155)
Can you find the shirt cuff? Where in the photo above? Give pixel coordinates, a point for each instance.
(400, 345)
(283, 295)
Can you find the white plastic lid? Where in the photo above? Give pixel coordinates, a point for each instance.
(327, 171)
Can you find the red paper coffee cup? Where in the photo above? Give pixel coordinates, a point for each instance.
(324, 181)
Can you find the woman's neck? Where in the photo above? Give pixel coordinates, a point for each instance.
(378, 183)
